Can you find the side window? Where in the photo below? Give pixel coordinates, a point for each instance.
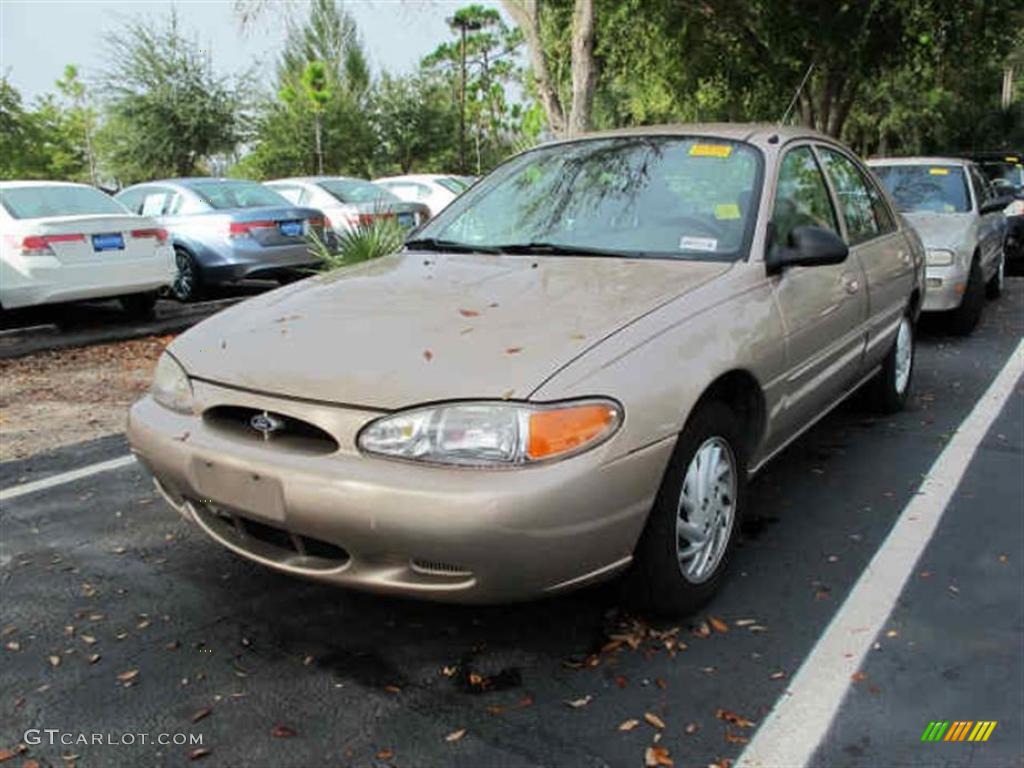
(132, 199)
(154, 201)
(854, 195)
(980, 187)
(883, 213)
(294, 195)
(801, 197)
(173, 207)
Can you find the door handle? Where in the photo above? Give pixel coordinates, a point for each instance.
(851, 284)
(905, 257)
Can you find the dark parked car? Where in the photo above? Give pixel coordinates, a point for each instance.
(1005, 170)
(226, 230)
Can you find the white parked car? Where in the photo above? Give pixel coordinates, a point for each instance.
(434, 190)
(348, 202)
(960, 218)
(71, 242)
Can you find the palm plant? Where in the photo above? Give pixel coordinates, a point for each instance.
(374, 236)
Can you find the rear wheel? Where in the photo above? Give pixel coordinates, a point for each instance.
(139, 305)
(684, 551)
(964, 318)
(994, 287)
(187, 285)
(889, 391)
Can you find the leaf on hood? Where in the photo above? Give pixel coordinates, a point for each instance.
(469, 313)
(513, 350)
(657, 756)
(718, 625)
(734, 738)
(628, 725)
(428, 355)
(200, 714)
(455, 735)
(653, 719)
(385, 754)
(127, 676)
(280, 731)
(578, 703)
(732, 717)
(702, 630)
(199, 753)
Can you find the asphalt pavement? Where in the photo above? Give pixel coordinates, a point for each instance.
(270, 670)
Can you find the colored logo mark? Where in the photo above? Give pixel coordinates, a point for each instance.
(958, 730)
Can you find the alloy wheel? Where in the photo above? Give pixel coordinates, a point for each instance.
(184, 280)
(904, 355)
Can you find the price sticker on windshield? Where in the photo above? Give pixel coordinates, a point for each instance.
(939, 171)
(711, 150)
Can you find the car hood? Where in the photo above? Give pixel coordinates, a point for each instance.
(420, 327)
(941, 230)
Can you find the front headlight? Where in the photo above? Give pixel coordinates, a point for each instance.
(492, 434)
(171, 387)
(940, 258)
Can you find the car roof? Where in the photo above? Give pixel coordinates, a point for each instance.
(921, 160)
(748, 132)
(315, 179)
(416, 177)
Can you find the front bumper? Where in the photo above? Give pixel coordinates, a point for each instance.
(944, 287)
(458, 535)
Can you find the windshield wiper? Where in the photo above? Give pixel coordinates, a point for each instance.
(560, 249)
(434, 244)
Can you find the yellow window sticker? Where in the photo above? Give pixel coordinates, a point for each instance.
(725, 211)
(939, 171)
(710, 150)
(1012, 159)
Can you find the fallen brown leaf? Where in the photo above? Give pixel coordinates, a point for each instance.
(734, 738)
(858, 677)
(732, 717)
(428, 355)
(577, 703)
(200, 714)
(198, 753)
(455, 735)
(469, 313)
(7, 754)
(94, 657)
(718, 625)
(653, 719)
(128, 676)
(54, 660)
(385, 754)
(513, 350)
(691, 728)
(628, 725)
(657, 756)
(13, 645)
(88, 639)
(282, 732)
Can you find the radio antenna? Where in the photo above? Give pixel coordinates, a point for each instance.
(796, 95)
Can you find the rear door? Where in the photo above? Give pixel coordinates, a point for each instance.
(823, 308)
(877, 243)
(991, 226)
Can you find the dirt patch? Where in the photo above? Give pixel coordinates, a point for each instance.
(58, 398)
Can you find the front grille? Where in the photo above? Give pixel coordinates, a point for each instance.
(269, 541)
(292, 434)
(436, 568)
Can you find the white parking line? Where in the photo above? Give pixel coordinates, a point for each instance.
(65, 477)
(800, 719)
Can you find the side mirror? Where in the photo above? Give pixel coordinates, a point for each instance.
(807, 246)
(995, 205)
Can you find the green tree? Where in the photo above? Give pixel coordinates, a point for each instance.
(317, 119)
(413, 120)
(166, 110)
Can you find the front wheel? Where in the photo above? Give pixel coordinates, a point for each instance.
(683, 554)
(890, 389)
(964, 318)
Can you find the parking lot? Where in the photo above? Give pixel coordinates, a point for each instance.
(119, 618)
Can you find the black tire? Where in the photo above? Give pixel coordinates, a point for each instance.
(139, 305)
(656, 583)
(188, 283)
(964, 318)
(884, 393)
(994, 287)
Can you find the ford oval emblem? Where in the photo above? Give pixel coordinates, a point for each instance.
(266, 424)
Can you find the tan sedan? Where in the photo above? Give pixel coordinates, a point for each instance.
(569, 373)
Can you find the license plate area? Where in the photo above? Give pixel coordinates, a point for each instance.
(290, 228)
(248, 491)
(108, 241)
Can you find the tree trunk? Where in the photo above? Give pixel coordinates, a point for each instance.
(319, 146)
(462, 103)
(584, 71)
(526, 16)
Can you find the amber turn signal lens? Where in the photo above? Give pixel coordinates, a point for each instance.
(557, 431)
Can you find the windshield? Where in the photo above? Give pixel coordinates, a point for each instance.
(357, 191)
(926, 188)
(236, 194)
(38, 202)
(658, 196)
(1010, 171)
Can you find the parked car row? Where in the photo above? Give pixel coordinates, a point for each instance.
(183, 235)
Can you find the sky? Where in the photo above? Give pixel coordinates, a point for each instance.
(39, 37)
